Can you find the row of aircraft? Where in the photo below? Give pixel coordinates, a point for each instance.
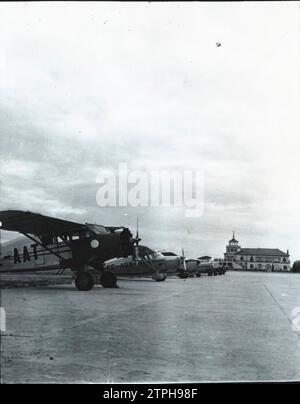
(90, 251)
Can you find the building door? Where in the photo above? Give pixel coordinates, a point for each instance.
(269, 267)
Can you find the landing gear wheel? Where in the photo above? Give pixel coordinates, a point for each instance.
(198, 274)
(183, 274)
(209, 273)
(84, 281)
(161, 278)
(215, 273)
(108, 280)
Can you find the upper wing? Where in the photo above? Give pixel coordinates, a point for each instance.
(35, 223)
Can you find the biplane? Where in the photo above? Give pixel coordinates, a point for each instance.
(56, 244)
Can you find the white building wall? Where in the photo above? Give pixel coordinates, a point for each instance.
(261, 263)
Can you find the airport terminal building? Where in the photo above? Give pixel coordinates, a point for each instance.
(260, 259)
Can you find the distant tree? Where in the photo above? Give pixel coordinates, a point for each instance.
(296, 266)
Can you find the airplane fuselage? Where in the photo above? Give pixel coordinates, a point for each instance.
(131, 266)
(22, 254)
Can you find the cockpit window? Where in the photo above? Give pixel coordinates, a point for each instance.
(168, 254)
(97, 229)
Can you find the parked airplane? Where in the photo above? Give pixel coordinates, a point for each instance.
(189, 267)
(175, 264)
(148, 262)
(53, 244)
(172, 262)
(165, 263)
(210, 268)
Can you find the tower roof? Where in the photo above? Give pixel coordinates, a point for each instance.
(233, 239)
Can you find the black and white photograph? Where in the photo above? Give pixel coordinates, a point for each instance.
(149, 194)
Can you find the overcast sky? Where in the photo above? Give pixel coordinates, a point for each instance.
(84, 86)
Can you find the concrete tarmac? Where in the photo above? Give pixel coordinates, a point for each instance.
(237, 327)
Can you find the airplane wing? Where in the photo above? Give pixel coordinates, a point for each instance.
(35, 223)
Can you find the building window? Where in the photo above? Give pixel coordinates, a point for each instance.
(242, 258)
(285, 267)
(251, 259)
(284, 259)
(251, 266)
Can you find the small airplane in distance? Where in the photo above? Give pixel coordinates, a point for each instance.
(218, 44)
(148, 262)
(189, 267)
(54, 244)
(179, 265)
(164, 263)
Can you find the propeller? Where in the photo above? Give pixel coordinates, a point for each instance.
(142, 255)
(136, 241)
